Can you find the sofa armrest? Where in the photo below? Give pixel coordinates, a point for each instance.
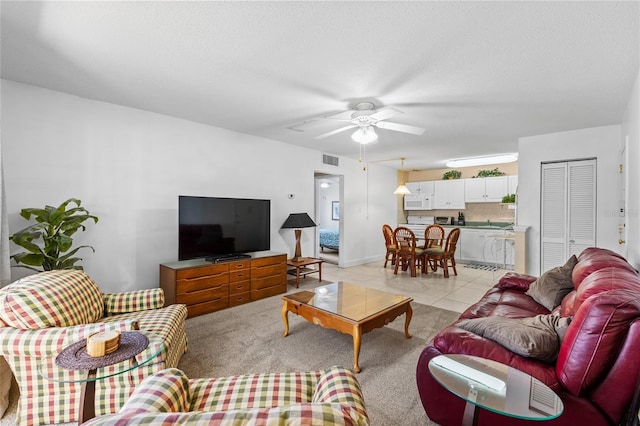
(337, 385)
(47, 342)
(166, 391)
(515, 281)
(133, 301)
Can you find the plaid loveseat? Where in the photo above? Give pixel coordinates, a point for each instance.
(326, 397)
(43, 313)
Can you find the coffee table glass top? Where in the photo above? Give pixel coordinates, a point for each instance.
(348, 300)
(496, 387)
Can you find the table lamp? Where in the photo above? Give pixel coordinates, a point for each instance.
(297, 221)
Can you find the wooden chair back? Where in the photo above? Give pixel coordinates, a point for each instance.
(433, 236)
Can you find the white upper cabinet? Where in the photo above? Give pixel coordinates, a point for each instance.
(484, 190)
(421, 197)
(513, 184)
(449, 194)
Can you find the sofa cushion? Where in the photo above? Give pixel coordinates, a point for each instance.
(166, 391)
(515, 281)
(60, 298)
(536, 337)
(551, 287)
(593, 342)
(593, 262)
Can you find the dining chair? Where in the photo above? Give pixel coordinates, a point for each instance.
(443, 256)
(433, 237)
(408, 254)
(390, 245)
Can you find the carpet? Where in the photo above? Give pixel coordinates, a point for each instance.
(247, 339)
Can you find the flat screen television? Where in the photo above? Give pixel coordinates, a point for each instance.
(222, 228)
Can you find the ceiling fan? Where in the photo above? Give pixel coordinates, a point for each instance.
(365, 118)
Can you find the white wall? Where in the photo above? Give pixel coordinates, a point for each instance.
(128, 167)
(602, 143)
(631, 131)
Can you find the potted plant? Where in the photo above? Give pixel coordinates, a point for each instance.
(490, 173)
(452, 174)
(509, 199)
(55, 226)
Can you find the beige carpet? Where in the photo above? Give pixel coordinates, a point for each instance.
(247, 339)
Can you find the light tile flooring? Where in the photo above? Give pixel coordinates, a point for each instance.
(455, 293)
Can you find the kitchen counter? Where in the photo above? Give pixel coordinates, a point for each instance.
(502, 226)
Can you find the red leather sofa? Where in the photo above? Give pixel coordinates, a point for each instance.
(598, 365)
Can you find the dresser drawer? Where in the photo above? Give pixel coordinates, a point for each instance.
(239, 275)
(239, 287)
(239, 299)
(203, 271)
(279, 280)
(271, 260)
(208, 295)
(268, 270)
(241, 264)
(207, 307)
(267, 292)
(201, 283)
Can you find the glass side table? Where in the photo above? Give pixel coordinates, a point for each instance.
(496, 387)
(75, 357)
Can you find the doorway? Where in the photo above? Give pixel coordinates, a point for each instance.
(328, 209)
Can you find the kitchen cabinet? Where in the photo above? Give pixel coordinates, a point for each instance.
(486, 246)
(513, 184)
(485, 190)
(421, 197)
(449, 194)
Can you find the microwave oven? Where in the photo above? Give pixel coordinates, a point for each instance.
(418, 202)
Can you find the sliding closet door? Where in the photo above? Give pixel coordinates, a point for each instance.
(568, 211)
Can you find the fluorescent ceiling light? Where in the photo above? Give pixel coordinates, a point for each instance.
(364, 135)
(481, 161)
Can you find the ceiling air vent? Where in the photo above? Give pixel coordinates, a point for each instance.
(329, 159)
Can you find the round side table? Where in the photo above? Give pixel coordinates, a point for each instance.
(496, 387)
(75, 357)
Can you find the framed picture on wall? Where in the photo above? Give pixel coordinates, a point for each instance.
(335, 210)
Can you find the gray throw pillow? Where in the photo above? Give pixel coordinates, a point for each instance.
(536, 337)
(552, 286)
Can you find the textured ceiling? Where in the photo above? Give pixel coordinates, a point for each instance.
(476, 75)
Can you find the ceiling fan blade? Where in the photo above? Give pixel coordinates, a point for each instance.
(384, 113)
(333, 132)
(400, 127)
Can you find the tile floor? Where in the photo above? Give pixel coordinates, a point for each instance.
(455, 293)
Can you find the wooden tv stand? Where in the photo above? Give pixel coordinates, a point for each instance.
(206, 286)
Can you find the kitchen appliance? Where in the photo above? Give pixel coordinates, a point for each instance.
(442, 220)
(418, 224)
(460, 219)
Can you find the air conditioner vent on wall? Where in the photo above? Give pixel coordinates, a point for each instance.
(329, 159)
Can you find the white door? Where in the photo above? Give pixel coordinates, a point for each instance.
(623, 186)
(568, 211)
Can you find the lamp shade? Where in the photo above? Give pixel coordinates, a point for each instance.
(402, 190)
(297, 221)
(364, 135)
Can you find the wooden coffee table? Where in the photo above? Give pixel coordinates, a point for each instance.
(348, 308)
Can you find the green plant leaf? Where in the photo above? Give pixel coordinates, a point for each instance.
(54, 227)
(28, 258)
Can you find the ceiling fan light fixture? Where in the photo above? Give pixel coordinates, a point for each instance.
(364, 135)
(324, 184)
(481, 161)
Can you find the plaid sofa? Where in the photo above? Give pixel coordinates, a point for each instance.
(43, 313)
(326, 397)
